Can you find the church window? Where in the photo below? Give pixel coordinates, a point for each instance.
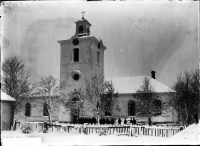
(76, 55)
(75, 42)
(28, 109)
(76, 77)
(98, 57)
(158, 107)
(45, 110)
(107, 113)
(131, 108)
(99, 45)
(76, 74)
(81, 29)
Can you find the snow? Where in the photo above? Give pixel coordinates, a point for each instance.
(132, 84)
(6, 97)
(190, 135)
(80, 139)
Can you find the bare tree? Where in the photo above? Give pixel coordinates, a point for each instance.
(75, 102)
(185, 100)
(96, 91)
(15, 82)
(109, 101)
(146, 97)
(95, 87)
(48, 94)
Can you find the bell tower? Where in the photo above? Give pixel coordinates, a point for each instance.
(80, 56)
(82, 27)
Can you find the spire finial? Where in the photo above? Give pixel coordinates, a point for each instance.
(83, 14)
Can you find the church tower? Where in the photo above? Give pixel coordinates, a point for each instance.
(81, 56)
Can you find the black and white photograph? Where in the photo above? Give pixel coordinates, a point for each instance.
(100, 73)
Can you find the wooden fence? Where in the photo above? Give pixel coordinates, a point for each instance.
(153, 131)
(131, 130)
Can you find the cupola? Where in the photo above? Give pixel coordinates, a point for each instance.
(82, 27)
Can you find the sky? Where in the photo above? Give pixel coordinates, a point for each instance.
(139, 36)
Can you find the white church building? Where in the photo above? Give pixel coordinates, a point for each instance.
(83, 55)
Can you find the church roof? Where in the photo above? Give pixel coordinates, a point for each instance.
(6, 97)
(129, 85)
(83, 37)
(83, 19)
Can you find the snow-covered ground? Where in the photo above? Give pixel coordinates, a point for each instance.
(188, 136)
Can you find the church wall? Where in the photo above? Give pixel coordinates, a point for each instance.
(86, 65)
(125, 98)
(6, 115)
(100, 66)
(36, 114)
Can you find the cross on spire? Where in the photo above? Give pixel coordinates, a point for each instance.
(83, 14)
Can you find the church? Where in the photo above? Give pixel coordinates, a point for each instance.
(83, 55)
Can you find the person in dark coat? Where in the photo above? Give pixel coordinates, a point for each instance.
(112, 121)
(119, 121)
(100, 121)
(94, 120)
(131, 121)
(89, 120)
(103, 121)
(125, 121)
(79, 120)
(45, 127)
(86, 120)
(149, 122)
(82, 120)
(106, 121)
(134, 121)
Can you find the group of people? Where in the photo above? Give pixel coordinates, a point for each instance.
(103, 121)
(107, 121)
(132, 121)
(93, 120)
(89, 120)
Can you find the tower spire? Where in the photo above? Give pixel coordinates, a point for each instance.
(83, 14)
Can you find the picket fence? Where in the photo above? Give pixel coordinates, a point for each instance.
(130, 130)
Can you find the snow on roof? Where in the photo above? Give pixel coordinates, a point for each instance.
(6, 97)
(129, 85)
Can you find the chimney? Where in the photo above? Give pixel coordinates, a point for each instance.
(153, 74)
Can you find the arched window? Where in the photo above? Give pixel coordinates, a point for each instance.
(107, 113)
(76, 55)
(158, 107)
(81, 29)
(28, 109)
(45, 110)
(131, 108)
(98, 57)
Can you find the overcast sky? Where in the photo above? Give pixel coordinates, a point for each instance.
(139, 36)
